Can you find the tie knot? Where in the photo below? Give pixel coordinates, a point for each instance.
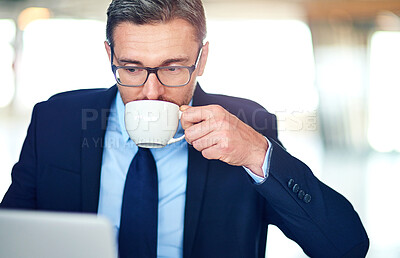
(143, 150)
(145, 153)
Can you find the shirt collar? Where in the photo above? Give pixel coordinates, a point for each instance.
(120, 107)
(121, 117)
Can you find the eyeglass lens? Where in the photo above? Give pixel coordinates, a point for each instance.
(169, 76)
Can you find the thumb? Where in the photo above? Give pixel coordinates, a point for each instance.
(184, 107)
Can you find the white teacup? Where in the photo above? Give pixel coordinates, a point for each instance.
(152, 123)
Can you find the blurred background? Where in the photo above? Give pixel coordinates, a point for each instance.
(329, 70)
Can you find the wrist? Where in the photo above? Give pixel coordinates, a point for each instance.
(258, 157)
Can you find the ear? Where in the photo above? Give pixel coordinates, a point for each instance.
(108, 49)
(203, 59)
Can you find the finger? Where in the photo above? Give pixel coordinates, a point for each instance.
(199, 130)
(211, 153)
(216, 140)
(205, 142)
(215, 151)
(185, 124)
(196, 114)
(183, 108)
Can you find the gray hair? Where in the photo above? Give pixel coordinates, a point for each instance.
(156, 11)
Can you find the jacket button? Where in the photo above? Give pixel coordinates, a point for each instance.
(307, 198)
(296, 188)
(290, 183)
(301, 194)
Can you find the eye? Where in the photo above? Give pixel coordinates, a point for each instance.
(134, 70)
(172, 70)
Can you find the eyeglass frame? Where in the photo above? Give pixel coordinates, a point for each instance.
(154, 70)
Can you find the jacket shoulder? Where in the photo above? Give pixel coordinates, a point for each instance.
(76, 95)
(82, 98)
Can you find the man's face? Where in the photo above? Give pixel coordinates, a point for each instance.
(163, 44)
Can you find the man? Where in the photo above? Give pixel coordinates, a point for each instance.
(216, 192)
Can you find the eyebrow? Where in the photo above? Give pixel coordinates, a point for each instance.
(175, 60)
(131, 61)
(164, 63)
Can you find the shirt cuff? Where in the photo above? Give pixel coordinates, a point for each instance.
(265, 167)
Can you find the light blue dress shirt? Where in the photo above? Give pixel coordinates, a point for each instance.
(171, 162)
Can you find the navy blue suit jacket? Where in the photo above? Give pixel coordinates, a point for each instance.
(226, 214)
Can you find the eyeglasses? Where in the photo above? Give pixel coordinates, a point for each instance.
(170, 76)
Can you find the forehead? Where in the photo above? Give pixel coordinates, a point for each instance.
(174, 36)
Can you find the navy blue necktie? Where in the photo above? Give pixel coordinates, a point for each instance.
(139, 212)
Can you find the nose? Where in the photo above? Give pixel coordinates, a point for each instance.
(153, 88)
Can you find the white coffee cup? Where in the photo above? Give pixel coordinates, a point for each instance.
(152, 123)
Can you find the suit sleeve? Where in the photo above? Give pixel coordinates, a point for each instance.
(307, 211)
(22, 192)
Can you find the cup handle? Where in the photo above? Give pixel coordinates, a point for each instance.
(174, 140)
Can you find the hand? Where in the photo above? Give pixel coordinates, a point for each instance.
(218, 134)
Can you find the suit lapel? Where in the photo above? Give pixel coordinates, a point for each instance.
(196, 181)
(95, 113)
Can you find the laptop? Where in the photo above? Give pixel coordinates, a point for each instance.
(55, 235)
